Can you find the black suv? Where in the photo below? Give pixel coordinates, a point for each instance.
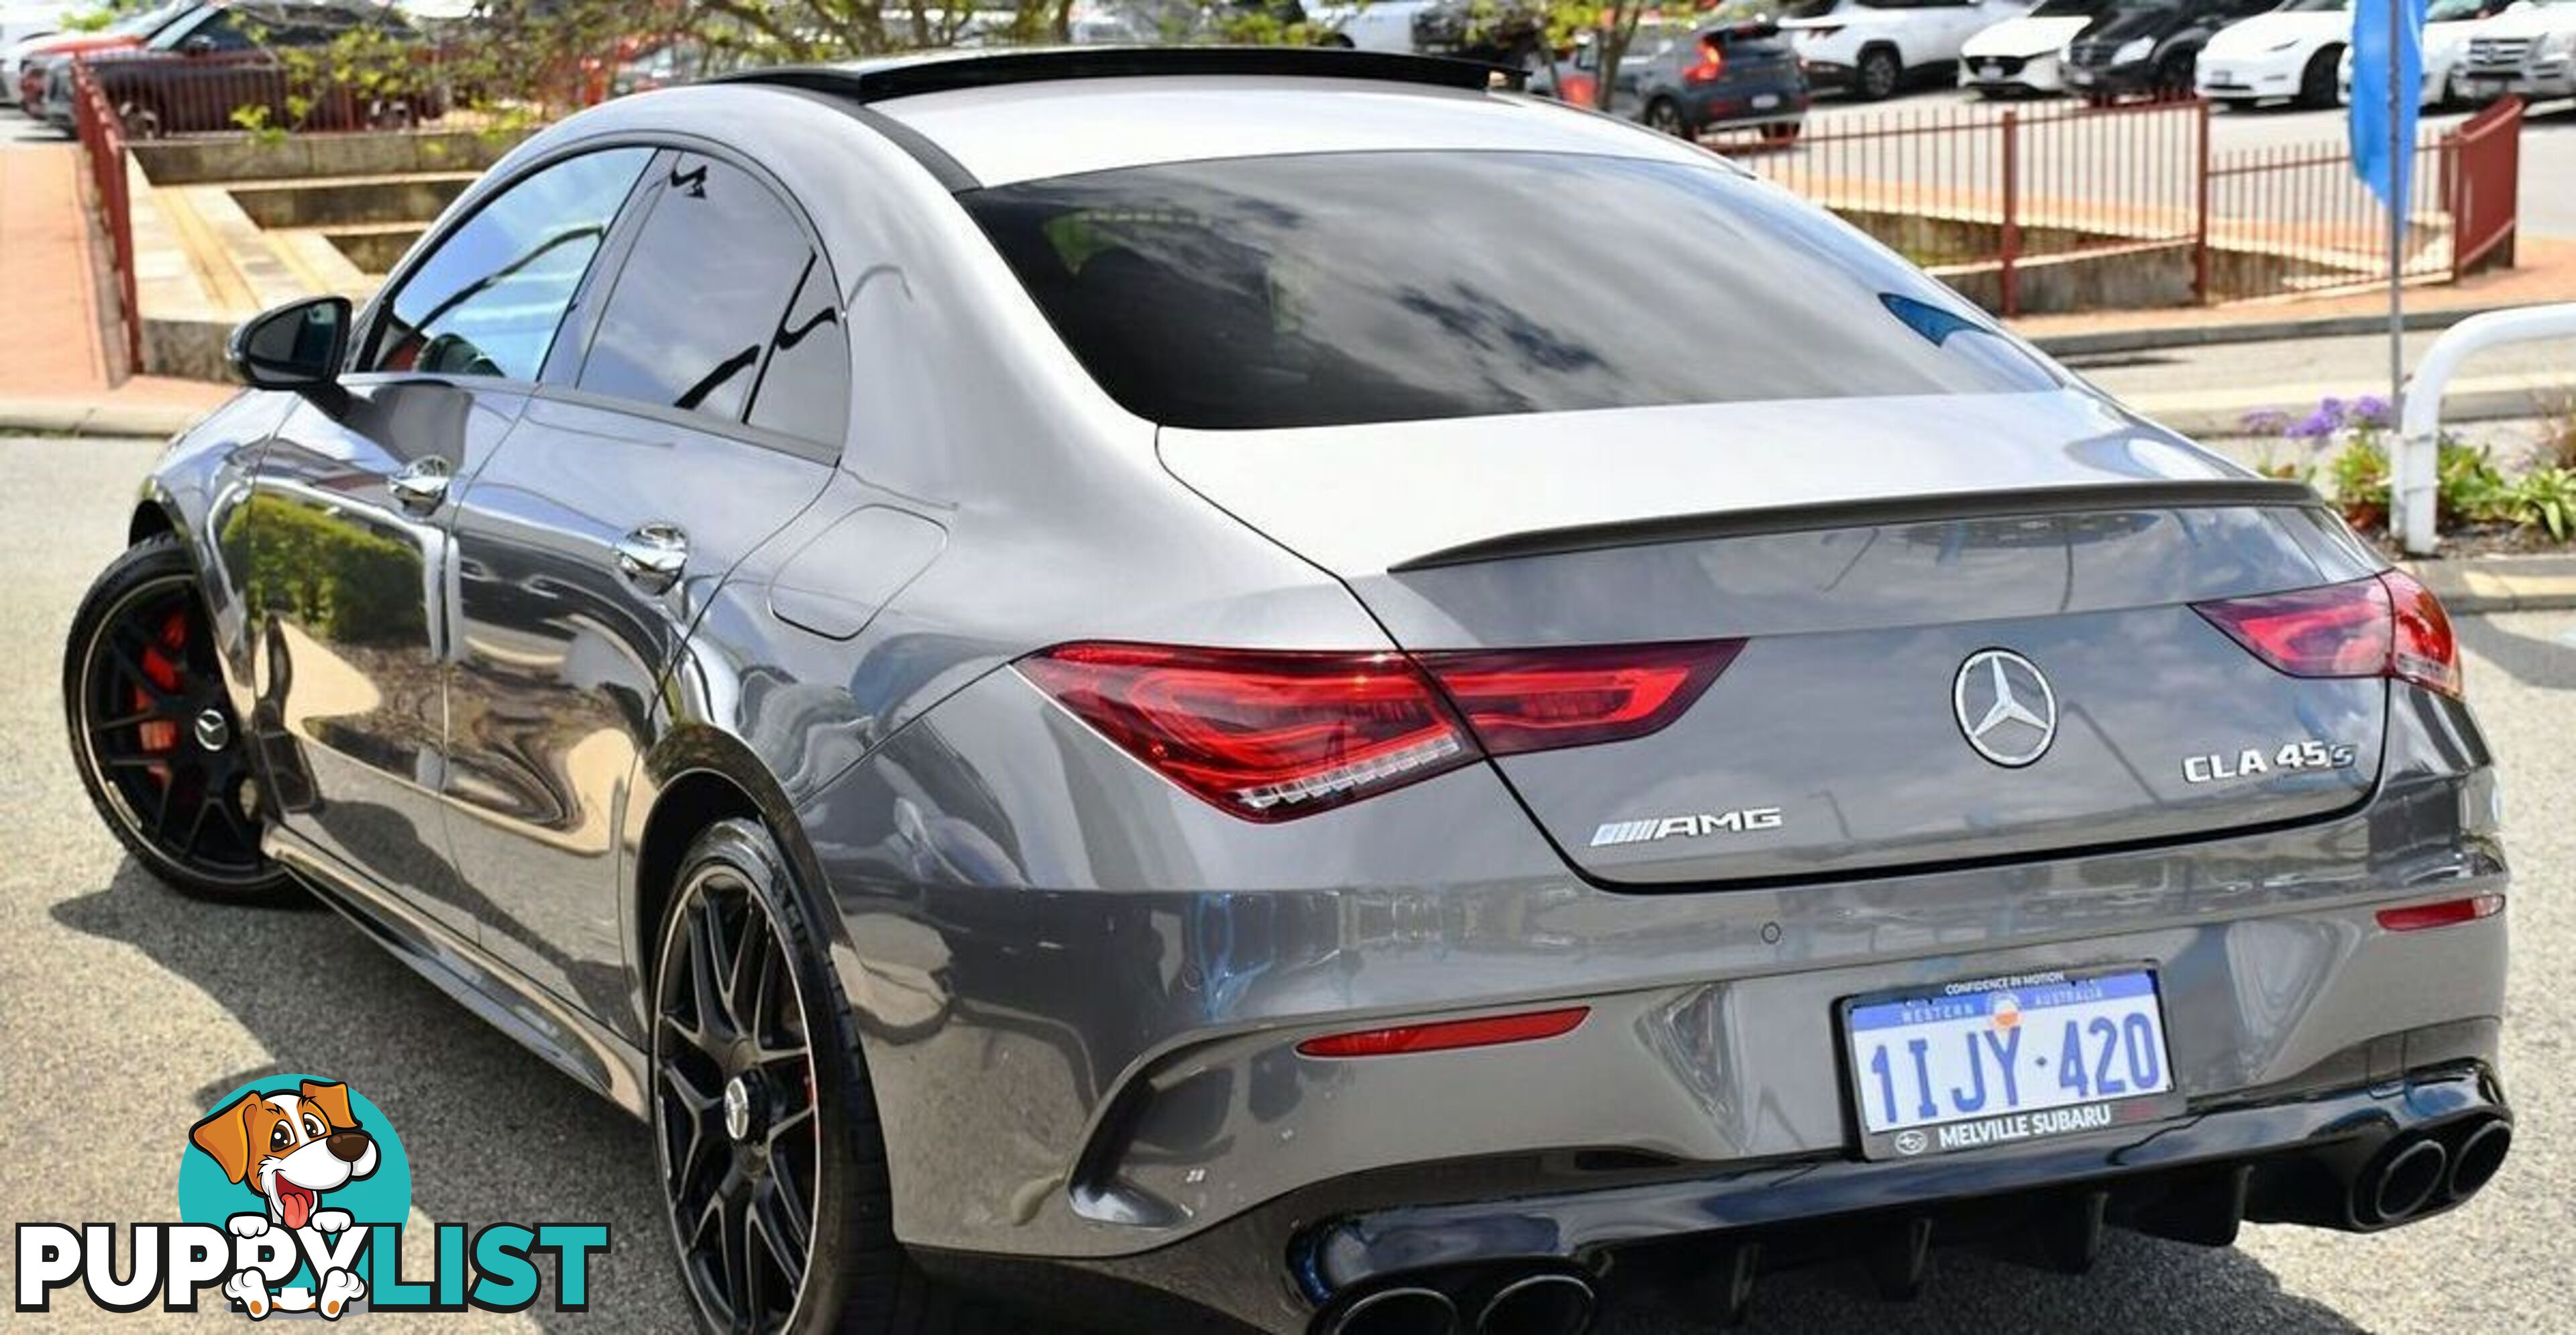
(2148, 46)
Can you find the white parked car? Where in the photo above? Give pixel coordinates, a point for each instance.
(2529, 49)
(1871, 47)
(2447, 28)
(1378, 25)
(2019, 54)
(25, 21)
(2287, 55)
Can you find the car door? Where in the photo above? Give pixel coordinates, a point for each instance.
(703, 412)
(349, 555)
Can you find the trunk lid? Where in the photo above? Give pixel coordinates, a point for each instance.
(1872, 567)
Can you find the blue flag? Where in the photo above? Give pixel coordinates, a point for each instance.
(2376, 64)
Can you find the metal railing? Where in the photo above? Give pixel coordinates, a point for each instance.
(2008, 187)
(2415, 487)
(102, 140)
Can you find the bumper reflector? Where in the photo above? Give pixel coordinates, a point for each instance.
(2446, 913)
(1447, 1034)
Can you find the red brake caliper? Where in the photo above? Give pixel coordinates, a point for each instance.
(160, 663)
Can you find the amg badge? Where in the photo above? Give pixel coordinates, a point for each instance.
(1670, 827)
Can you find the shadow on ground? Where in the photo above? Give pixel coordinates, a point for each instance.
(495, 1134)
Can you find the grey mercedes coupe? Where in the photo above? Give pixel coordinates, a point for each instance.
(1291, 688)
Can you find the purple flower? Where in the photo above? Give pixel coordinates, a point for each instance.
(2317, 425)
(2330, 406)
(2370, 410)
(2266, 422)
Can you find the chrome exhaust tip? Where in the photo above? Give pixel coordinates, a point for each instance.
(1548, 1303)
(1403, 1310)
(2480, 1155)
(2408, 1179)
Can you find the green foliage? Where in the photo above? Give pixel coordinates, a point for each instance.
(2545, 498)
(348, 584)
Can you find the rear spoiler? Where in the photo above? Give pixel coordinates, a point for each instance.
(2154, 494)
(1747, 31)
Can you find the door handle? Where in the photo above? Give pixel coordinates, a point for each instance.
(422, 483)
(652, 556)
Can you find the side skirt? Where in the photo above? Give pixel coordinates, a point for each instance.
(578, 1044)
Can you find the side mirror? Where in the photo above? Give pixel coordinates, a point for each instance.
(295, 346)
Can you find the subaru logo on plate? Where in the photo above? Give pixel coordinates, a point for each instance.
(1910, 1142)
(2005, 707)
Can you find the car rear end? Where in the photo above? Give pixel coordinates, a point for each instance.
(1740, 75)
(1805, 778)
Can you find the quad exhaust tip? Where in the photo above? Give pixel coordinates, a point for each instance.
(2480, 1154)
(2408, 1180)
(1542, 1302)
(1548, 1303)
(1403, 1310)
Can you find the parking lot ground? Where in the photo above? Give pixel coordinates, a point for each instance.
(125, 1010)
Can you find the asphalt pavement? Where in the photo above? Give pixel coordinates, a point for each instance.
(125, 1010)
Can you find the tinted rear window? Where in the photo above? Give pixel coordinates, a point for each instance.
(1372, 287)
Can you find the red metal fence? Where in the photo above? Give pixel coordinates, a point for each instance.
(1973, 188)
(102, 140)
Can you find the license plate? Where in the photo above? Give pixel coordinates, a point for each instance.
(2003, 1060)
(1993, 71)
(1765, 101)
(2221, 77)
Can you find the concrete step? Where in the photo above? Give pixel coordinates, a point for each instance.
(374, 247)
(248, 158)
(338, 200)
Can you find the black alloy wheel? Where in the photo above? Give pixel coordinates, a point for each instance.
(1663, 116)
(765, 1126)
(153, 731)
(734, 1096)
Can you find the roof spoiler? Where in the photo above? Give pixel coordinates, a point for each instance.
(910, 76)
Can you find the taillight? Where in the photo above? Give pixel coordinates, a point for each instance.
(1539, 699)
(1271, 736)
(1711, 66)
(1267, 736)
(2385, 626)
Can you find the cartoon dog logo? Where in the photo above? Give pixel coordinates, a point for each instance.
(288, 1147)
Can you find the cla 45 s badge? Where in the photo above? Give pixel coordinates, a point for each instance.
(2251, 762)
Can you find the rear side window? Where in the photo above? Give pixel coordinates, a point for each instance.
(487, 301)
(1327, 289)
(705, 298)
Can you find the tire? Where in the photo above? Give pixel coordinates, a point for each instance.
(2317, 82)
(736, 894)
(153, 734)
(2174, 76)
(1664, 116)
(1781, 132)
(1879, 76)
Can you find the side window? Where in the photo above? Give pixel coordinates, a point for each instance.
(222, 33)
(489, 300)
(705, 296)
(805, 389)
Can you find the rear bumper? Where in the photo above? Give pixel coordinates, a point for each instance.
(1783, 103)
(2319, 1153)
(1076, 1072)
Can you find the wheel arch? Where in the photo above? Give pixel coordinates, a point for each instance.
(696, 775)
(150, 521)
